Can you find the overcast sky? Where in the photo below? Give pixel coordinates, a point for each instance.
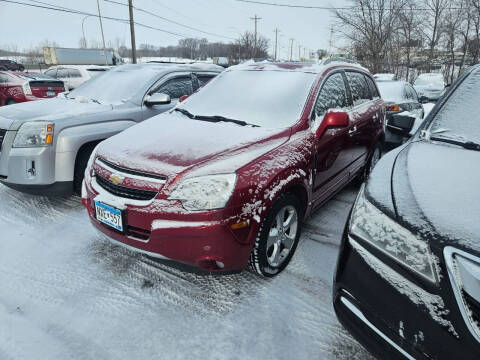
(27, 26)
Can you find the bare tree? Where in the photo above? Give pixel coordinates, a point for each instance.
(368, 24)
(432, 25)
(409, 24)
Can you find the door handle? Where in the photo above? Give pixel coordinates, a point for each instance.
(352, 131)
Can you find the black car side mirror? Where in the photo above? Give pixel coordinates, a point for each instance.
(401, 124)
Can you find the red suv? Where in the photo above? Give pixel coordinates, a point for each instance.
(227, 177)
(20, 87)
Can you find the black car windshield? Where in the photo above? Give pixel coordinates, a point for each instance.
(115, 86)
(269, 99)
(459, 117)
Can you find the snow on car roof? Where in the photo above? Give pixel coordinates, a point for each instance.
(307, 67)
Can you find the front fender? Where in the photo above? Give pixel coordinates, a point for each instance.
(71, 139)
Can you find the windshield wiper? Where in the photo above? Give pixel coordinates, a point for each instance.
(185, 112)
(469, 145)
(214, 118)
(218, 118)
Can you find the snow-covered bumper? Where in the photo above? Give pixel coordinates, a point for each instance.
(394, 315)
(161, 228)
(31, 170)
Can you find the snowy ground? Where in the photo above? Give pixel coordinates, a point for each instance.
(66, 292)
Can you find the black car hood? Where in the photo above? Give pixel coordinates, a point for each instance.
(435, 191)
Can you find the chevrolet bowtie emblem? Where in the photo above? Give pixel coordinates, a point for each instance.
(116, 179)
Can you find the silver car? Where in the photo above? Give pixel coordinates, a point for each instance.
(45, 145)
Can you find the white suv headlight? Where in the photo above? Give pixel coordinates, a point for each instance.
(373, 226)
(205, 192)
(34, 134)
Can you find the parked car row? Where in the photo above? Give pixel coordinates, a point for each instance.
(223, 178)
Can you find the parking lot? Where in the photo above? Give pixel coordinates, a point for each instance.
(67, 292)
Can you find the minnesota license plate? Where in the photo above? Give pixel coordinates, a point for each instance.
(109, 215)
(51, 93)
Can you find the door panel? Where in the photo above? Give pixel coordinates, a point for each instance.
(332, 158)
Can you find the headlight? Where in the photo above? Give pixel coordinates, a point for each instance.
(373, 226)
(33, 134)
(205, 192)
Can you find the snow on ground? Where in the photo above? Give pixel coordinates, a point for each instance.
(67, 292)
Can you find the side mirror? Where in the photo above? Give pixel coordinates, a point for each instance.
(333, 119)
(158, 99)
(183, 98)
(401, 124)
(423, 99)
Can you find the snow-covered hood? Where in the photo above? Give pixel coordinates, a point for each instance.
(435, 189)
(54, 109)
(169, 144)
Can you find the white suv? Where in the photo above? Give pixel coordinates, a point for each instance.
(75, 75)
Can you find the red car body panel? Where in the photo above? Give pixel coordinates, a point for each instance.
(13, 89)
(295, 160)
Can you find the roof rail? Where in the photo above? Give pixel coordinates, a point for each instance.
(338, 59)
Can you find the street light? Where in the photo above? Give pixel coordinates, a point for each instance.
(83, 30)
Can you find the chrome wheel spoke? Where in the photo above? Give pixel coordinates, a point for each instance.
(282, 235)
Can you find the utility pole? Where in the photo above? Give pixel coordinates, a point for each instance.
(291, 49)
(276, 43)
(132, 32)
(101, 29)
(255, 19)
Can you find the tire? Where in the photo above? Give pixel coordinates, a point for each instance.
(266, 260)
(80, 165)
(10, 102)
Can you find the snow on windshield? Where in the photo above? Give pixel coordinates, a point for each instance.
(269, 99)
(115, 86)
(459, 117)
(391, 91)
(431, 80)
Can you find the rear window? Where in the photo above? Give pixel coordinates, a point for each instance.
(392, 91)
(74, 73)
(373, 88)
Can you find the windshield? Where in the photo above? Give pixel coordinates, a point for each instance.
(265, 98)
(459, 117)
(432, 81)
(392, 91)
(114, 86)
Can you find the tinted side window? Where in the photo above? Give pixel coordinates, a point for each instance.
(373, 88)
(333, 95)
(74, 73)
(358, 87)
(3, 79)
(176, 87)
(204, 79)
(62, 73)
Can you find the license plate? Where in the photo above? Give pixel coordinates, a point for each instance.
(109, 215)
(51, 93)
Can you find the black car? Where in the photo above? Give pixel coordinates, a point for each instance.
(11, 65)
(407, 284)
(400, 97)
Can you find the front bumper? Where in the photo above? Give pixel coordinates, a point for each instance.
(391, 322)
(163, 229)
(32, 170)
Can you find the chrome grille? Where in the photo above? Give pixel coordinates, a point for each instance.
(464, 273)
(124, 192)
